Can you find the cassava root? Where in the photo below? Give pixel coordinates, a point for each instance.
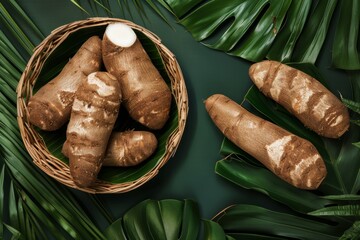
(50, 107)
(290, 157)
(130, 148)
(92, 119)
(303, 96)
(146, 95)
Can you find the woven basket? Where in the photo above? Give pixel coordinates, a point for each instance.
(35, 143)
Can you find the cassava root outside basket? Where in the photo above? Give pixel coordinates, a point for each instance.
(34, 143)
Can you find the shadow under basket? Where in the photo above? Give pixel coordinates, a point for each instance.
(45, 147)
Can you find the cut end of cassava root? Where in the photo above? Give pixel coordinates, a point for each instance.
(303, 96)
(50, 107)
(146, 96)
(92, 119)
(120, 34)
(290, 157)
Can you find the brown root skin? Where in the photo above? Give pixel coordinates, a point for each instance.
(146, 96)
(290, 157)
(50, 107)
(303, 96)
(126, 149)
(93, 116)
(129, 148)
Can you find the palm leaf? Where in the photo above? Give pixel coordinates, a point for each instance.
(125, 7)
(34, 197)
(342, 211)
(252, 219)
(354, 106)
(352, 233)
(77, 4)
(344, 197)
(15, 233)
(2, 177)
(7, 20)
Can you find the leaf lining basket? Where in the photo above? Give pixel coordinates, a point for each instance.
(34, 141)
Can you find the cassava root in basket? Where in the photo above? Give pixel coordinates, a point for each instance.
(50, 107)
(146, 95)
(129, 148)
(303, 96)
(290, 157)
(93, 115)
(126, 149)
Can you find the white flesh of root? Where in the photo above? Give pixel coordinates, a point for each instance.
(121, 34)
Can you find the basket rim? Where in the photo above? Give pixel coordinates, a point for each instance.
(33, 142)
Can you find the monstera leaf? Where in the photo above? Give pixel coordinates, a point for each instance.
(283, 30)
(167, 219)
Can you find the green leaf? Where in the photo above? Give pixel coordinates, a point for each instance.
(344, 197)
(287, 36)
(180, 8)
(171, 215)
(191, 221)
(254, 236)
(104, 5)
(37, 214)
(13, 209)
(258, 43)
(352, 233)
(154, 221)
(313, 35)
(353, 105)
(357, 144)
(76, 3)
(157, 10)
(356, 122)
(213, 231)
(115, 231)
(29, 22)
(16, 234)
(345, 52)
(53, 200)
(135, 224)
(255, 29)
(11, 25)
(253, 219)
(151, 219)
(2, 177)
(342, 211)
(260, 179)
(208, 19)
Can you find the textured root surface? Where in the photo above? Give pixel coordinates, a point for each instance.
(303, 96)
(290, 157)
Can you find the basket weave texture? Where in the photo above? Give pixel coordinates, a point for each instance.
(36, 146)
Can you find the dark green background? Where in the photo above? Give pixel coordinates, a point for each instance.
(190, 173)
